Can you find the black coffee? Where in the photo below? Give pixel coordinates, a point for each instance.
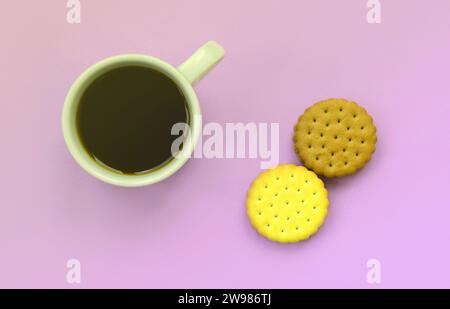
(125, 118)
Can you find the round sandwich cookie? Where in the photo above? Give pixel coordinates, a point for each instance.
(287, 203)
(335, 137)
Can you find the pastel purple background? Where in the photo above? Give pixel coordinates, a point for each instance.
(191, 231)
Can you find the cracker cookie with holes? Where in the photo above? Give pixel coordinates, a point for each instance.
(335, 137)
(287, 204)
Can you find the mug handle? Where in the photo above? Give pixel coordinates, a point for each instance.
(202, 61)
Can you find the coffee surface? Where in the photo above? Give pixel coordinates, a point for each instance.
(125, 118)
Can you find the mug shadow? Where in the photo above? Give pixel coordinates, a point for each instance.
(149, 203)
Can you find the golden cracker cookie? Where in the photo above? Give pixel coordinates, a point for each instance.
(335, 137)
(287, 203)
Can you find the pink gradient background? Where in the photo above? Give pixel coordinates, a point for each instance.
(191, 231)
